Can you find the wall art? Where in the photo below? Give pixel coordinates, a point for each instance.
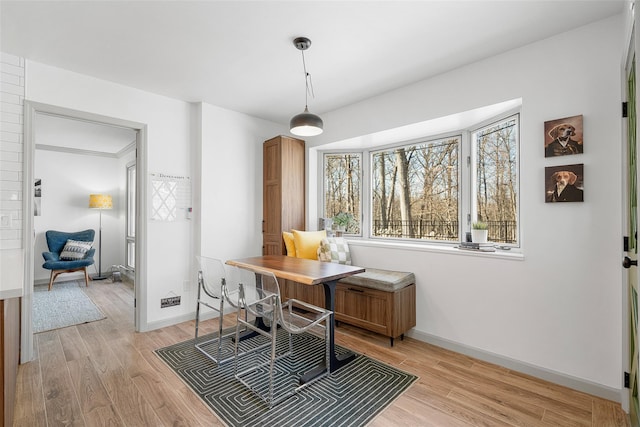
(563, 137)
(564, 183)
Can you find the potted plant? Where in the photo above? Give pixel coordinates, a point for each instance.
(341, 221)
(479, 232)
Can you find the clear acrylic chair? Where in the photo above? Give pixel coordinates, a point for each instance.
(212, 283)
(259, 293)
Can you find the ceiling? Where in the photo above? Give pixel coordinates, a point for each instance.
(239, 55)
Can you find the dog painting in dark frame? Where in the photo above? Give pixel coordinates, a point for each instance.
(564, 183)
(563, 137)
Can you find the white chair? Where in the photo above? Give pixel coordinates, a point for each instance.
(213, 284)
(260, 297)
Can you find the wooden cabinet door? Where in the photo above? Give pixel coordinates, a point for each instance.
(283, 192)
(271, 199)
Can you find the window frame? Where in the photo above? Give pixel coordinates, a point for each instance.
(323, 208)
(472, 163)
(422, 140)
(467, 175)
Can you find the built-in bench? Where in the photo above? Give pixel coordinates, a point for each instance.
(380, 301)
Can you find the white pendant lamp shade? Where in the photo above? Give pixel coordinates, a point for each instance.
(306, 124)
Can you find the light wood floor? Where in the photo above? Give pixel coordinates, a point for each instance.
(103, 373)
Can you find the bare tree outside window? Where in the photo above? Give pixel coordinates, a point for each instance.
(416, 188)
(415, 191)
(496, 177)
(342, 179)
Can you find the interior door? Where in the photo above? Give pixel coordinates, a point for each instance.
(630, 261)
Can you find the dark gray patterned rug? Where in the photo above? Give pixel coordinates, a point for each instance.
(352, 396)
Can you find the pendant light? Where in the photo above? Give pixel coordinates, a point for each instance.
(305, 123)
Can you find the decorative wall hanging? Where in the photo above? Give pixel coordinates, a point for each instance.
(563, 136)
(37, 197)
(564, 183)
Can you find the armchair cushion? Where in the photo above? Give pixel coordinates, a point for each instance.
(56, 241)
(75, 250)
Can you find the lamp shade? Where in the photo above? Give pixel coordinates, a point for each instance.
(100, 201)
(306, 124)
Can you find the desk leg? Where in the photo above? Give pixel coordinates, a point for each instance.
(335, 361)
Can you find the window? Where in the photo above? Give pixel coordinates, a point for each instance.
(496, 177)
(431, 189)
(343, 176)
(415, 191)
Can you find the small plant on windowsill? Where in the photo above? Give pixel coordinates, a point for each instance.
(479, 232)
(342, 221)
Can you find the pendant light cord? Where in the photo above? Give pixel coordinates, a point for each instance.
(308, 83)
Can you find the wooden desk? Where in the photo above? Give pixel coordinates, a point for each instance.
(308, 272)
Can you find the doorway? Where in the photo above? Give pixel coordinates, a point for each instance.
(32, 111)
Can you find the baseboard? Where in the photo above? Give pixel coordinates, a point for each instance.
(572, 382)
(179, 319)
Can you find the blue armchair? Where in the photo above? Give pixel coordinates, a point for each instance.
(56, 241)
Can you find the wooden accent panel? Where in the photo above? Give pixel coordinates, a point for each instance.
(283, 191)
(311, 294)
(9, 355)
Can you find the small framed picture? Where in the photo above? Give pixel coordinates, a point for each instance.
(564, 183)
(563, 137)
(37, 197)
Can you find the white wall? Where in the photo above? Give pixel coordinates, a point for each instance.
(232, 182)
(12, 84)
(67, 181)
(169, 151)
(227, 205)
(559, 309)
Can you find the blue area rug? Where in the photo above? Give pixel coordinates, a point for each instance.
(65, 305)
(352, 396)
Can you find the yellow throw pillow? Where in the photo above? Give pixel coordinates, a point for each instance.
(307, 243)
(289, 243)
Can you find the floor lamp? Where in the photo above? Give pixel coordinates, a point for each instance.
(101, 202)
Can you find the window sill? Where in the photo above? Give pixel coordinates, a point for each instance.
(513, 254)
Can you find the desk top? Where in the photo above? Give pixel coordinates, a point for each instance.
(307, 271)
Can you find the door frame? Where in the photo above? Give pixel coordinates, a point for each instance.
(31, 108)
(630, 55)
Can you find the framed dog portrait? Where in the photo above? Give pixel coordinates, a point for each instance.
(564, 183)
(563, 137)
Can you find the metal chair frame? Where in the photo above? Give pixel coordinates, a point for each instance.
(269, 306)
(222, 295)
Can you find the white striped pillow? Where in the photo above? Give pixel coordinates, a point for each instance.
(74, 250)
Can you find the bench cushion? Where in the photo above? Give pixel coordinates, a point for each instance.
(384, 280)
